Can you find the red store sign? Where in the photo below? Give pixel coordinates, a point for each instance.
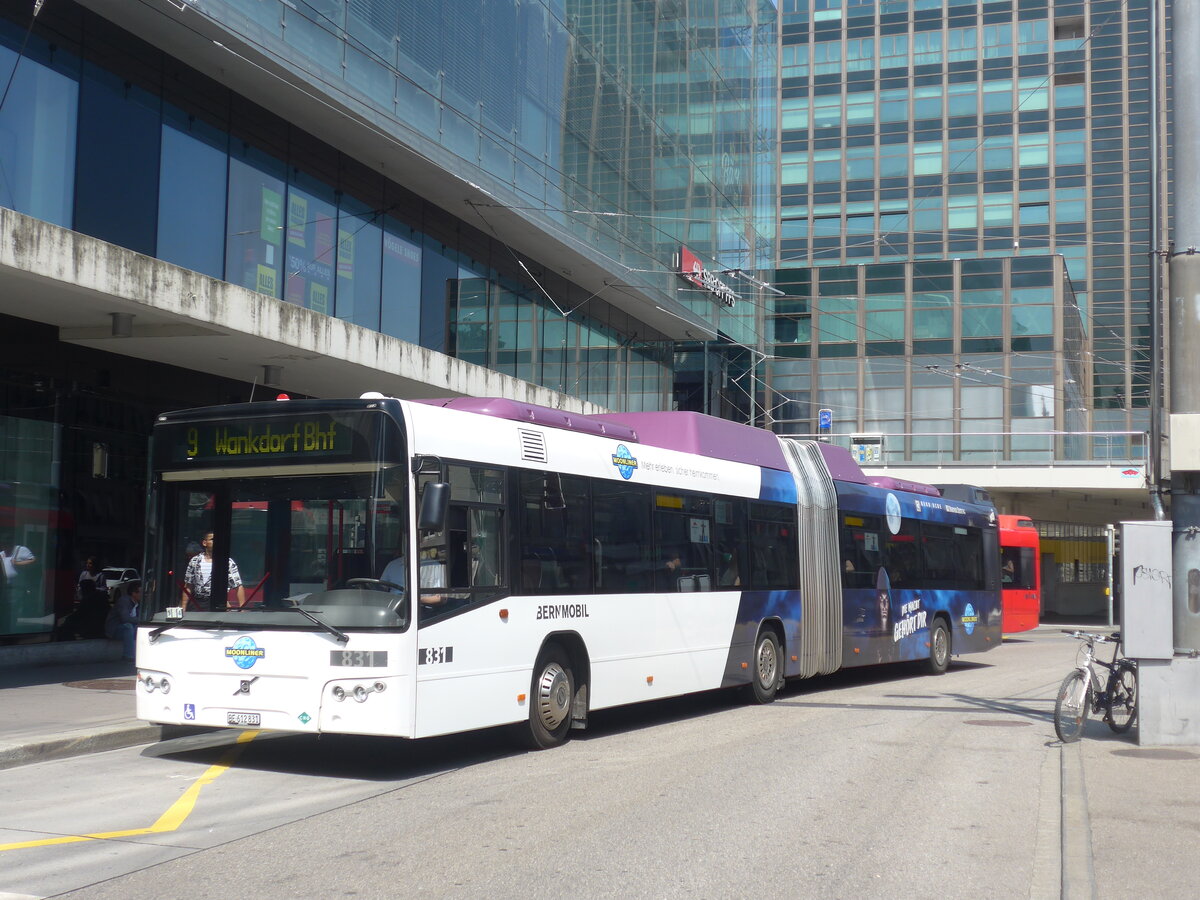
(692, 270)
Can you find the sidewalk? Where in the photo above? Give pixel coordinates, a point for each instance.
(66, 699)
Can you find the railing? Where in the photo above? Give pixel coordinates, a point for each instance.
(993, 448)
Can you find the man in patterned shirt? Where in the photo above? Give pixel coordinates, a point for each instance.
(197, 579)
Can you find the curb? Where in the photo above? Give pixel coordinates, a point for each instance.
(115, 738)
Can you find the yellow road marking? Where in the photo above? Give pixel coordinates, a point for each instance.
(175, 816)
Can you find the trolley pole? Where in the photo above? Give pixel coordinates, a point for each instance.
(1171, 688)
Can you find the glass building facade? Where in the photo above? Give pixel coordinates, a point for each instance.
(619, 132)
(624, 130)
(965, 213)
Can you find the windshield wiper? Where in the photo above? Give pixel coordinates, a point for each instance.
(323, 625)
(154, 635)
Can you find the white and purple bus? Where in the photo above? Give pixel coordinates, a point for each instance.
(418, 568)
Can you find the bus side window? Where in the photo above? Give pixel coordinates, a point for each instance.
(1010, 565)
(904, 556)
(554, 533)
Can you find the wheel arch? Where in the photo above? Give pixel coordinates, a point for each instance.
(944, 615)
(572, 643)
(775, 624)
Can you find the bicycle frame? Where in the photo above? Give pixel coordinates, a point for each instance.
(1108, 693)
(1087, 656)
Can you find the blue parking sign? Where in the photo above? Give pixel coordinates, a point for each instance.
(824, 419)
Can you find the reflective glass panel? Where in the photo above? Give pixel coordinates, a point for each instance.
(37, 139)
(191, 195)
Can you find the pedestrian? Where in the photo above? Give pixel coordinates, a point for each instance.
(14, 557)
(91, 580)
(197, 579)
(91, 604)
(121, 624)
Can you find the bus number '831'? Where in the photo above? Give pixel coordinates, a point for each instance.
(430, 656)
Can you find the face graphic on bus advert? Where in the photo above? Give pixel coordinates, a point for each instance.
(884, 607)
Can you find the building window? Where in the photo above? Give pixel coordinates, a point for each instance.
(826, 10)
(1033, 94)
(964, 100)
(893, 105)
(827, 111)
(860, 107)
(793, 61)
(837, 320)
(885, 318)
(933, 316)
(1035, 214)
(254, 240)
(1032, 37)
(893, 51)
(997, 97)
(191, 195)
(962, 44)
(997, 41)
(827, 57)
(1033, 150)
(962, 212)
(1070, 33)
(927, 47)
(37, 139)
(860, 54)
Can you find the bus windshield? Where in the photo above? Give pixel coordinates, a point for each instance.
(261, 509)
(317, 542)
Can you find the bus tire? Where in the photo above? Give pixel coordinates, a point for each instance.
(939, 648)
(550, 696)
(766, 668)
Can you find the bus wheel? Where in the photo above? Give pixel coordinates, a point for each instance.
(939, 648)
(767, 668)
(550, 700)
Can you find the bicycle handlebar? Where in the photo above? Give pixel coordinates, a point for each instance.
(1114, 638)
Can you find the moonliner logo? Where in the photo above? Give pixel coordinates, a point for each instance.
(245, 652)
(624, 461)
(969, 619)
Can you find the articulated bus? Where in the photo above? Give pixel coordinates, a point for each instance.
(1020, 573)
(539, 565)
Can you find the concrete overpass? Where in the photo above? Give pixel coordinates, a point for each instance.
(175, 316)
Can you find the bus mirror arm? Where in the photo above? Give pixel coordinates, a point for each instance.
(435, 500)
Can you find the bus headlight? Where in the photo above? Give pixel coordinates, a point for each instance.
(163, 684)
(359, 691)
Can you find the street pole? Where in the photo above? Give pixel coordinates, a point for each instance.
(1171, 688)
(1154, 458)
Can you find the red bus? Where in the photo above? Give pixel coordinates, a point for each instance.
(1020, 573)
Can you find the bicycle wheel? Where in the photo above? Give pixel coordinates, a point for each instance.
(1122, 698)
(1071, 707)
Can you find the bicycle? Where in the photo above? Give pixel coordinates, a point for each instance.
(1081, 693)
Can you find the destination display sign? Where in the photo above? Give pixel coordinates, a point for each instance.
(317, 437)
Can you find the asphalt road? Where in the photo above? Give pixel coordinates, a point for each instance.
(875, 783)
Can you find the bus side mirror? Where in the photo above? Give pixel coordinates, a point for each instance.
(435, 500)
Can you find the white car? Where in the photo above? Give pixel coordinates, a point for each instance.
(116, 577)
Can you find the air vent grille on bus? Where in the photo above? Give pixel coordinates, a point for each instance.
(533, 445)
